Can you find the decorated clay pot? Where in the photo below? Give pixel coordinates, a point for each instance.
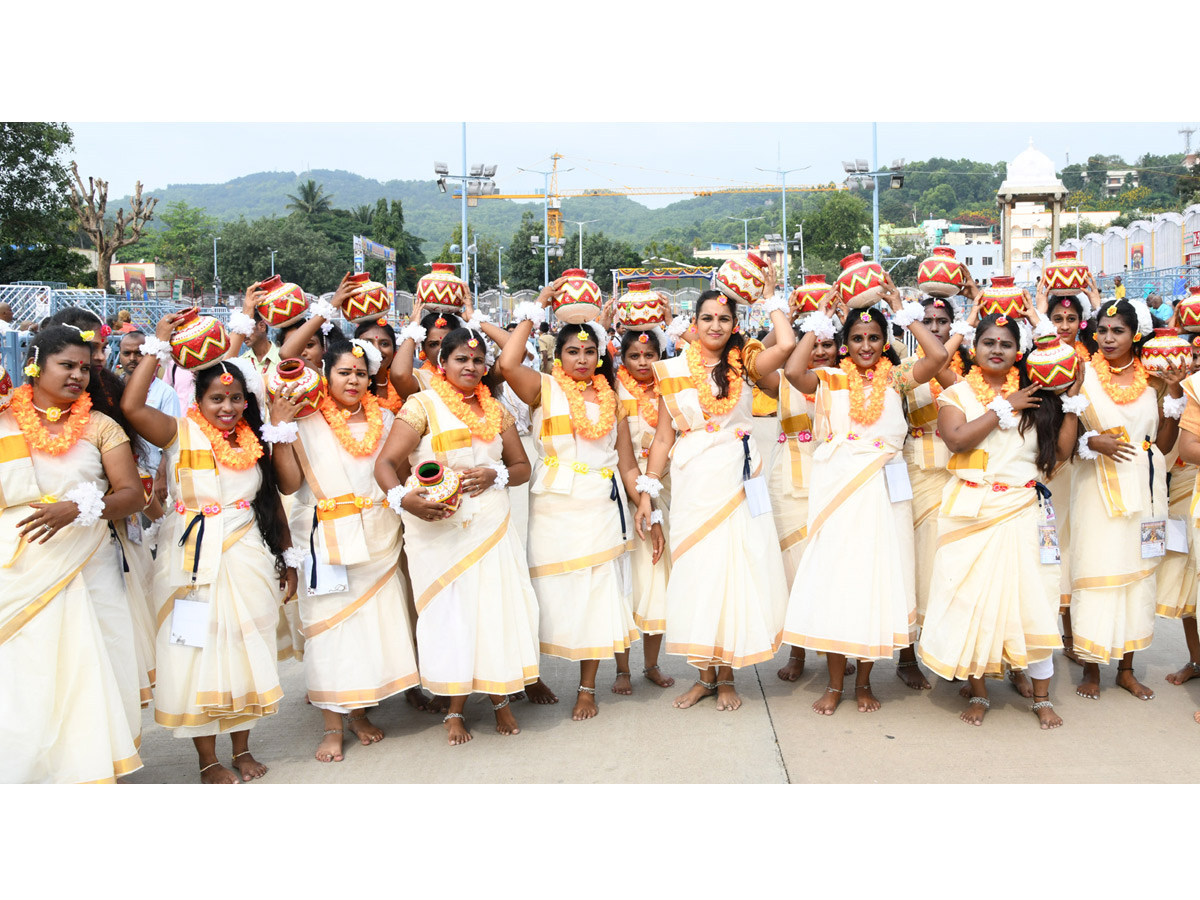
(1066, 276)
(578, 300)
(198, 341)
(441, 290)
(861, 283)
(368, 302)
(1002, 298)
(805, 297)
(308, 383)
(284, 303)
(6, 389)
(1166, 349)
(640, 308)
(1188, 310)
(440, 483)
(941, 275)
(1052, 364)
(742, 280)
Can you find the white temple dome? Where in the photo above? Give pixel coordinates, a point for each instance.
(1032, 172)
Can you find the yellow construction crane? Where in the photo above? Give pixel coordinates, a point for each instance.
(554, 214)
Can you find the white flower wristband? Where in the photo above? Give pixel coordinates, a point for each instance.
(89, 499)
(678, 326)
(528, 310)
(656, 517)
(283, 433)
(647, 485)
(1075, 405)
(326, 311)
(911, 311)
(395, 496)
(240, 323)
(967, 331)
(153, 346)
(1086, 452)
(777, 303)
(413, 332)
(821, 325)
(1173, 407)
(501, 481)
(294, 557)
(1004, 412)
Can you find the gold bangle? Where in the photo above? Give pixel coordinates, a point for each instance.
(654, 475)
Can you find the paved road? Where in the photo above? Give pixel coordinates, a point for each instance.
(774, 738)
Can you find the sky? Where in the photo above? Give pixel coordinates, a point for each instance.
(602, 155)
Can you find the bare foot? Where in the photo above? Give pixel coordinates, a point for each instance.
(1069, 651)
(456, 730)
(828, 702)
(1187, 673)
(1048, 718)
(249, 767)
(1196, 716)
(977, 708)
(218, 774)
(416, 698)
(622, 685)
(506, 722)
(1127, 680)
(539, 693)
(585, 706)
(1020, 683)
(965, 690)
(655, 674)
(366, 732)
(1089, 688)
(692, 696)
(850, 670)
(792, 669)
(913, 677)
(727, 697)
(866, 699)
(330, 748)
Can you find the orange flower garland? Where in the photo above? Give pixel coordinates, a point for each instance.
(1120, 393)
(956, 366)
(392, 402)
(605, 395)
(984, 392)
(485, 427)
(714, 408)
(1081, 351)
(647, 406)
(863, 411)
(35, 432)
(238, 458)
(339, 423)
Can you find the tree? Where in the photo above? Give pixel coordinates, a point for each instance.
(33, 181)
(303, 256)
(362, 215)
(44, 263)
(939, 202)
(523, 268)
(89, 208)
(185, 245)
(839, 227)
(387, 228)
(310, 199)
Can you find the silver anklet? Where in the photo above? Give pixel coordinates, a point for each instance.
(708, 686)
(727, 683)
(586, 690)
(833, 690)
(496, 707)
(1042, 704)
(982, 701)
(450, 716)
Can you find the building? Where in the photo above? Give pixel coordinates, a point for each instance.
(1032, 222)
(1116, 180)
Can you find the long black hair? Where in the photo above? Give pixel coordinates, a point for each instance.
(737, 341)
(584, 333)
(1127, 313)
(855, 317)
(964, 355)
(1046, 418)
(459, 336)
(267, 509)
(104, 386)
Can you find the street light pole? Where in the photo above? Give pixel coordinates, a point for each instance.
(500, 280)
(216, 278)
(581, 224)
(875, 184)
(465, 239)
(783, 174)
(746, 228)
(545, 218)
(1076, 208)
(273, 252)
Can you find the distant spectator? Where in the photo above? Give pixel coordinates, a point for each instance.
(1118, 288)
(6, 317)
(124, 322)
(545, 344)
(1160, 309)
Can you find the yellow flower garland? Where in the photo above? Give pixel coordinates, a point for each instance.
(1120, 393)
(984, 391)
(238, 458)
(647, 405)
(35, 432)
(863, 411)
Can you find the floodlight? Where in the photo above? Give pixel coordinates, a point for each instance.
(861, 165)
(533, 239)
(454, 248)
(476, 170)
(898, 163)
(441, 183)
(489, 171)
(848, 166)
(897, 180)
(441, 168)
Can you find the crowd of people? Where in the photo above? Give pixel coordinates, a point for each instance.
(169, 535)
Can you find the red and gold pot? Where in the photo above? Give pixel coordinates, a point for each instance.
(805, 297)
(309, 386)
(442, 290)
(6, 389)
(368, 301)
(1066, 276)
(640, 308)
(1002, 297)
(742, 280)
(1052, 364)
(1166, 349)
(941, 275)
(284, 303)
(578, 300)
(441, 483)
(198, 341)
(1188, 310)
(861, 283)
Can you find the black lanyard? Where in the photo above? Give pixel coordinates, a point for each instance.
(746, 457)
(198, 517)
(616, 495)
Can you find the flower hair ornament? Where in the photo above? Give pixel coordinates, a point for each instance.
(597, 336)
(643, 338)
(226, 378)
(361, 348)
(33, 370)
(1145, 324)
(85, 336)
(381, 321)
(440, 322)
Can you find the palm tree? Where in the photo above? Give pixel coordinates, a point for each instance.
(362, 216)
(312, 199)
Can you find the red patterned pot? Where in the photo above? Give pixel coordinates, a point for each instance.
(1188, 310)
(1002, 298)
(6, 389)
(1066, 276)
(441, 484)
(742, 280)
(941, 275)
(1052, 364)
(369, 300)
(284, 304)
(640, 308)
(1166, 349)
(309, 385)
(805, 297)
(441, 290)
(578, 300)
(861, 283)
(198, 341)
